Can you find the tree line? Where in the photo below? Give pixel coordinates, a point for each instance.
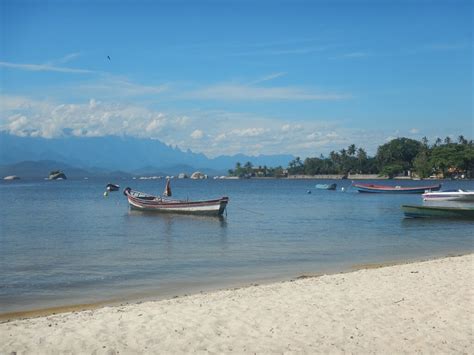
(401, 156)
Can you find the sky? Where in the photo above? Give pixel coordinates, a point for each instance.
(228, 77)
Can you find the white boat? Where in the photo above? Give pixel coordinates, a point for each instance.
(145, 202)
(449, 195)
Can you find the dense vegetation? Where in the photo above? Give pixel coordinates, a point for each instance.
(400, 156)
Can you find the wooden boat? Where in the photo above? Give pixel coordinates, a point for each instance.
(145, 202)
(412, 211)
(326, 186)
(449, 195)
(395, 189)
(112, 187)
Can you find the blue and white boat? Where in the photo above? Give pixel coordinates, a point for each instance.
(450, 195)
(372, 188)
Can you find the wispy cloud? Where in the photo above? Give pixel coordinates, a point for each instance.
(45, 68)
(240, 92)
(268, 78)
(280, 51)
(447, 46)
(65, 59)
(116, 87)
(355, 55)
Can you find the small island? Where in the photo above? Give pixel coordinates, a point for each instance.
(57, 175)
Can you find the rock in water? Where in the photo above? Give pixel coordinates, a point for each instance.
(57, 175)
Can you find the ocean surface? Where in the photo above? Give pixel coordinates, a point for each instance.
(64, 243)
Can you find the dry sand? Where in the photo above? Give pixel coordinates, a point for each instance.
(421, 307)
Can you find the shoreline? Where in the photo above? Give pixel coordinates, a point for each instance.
(152, 297)
(421, 307)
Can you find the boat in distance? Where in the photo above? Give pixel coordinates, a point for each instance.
(412, 211)
(449, 195)
(372, 188)
(326, 186)
(112, 187)
(145, 202)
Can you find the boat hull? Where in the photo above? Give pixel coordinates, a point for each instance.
(461, 196)
(148, 203)
(326, 186)
(370, 188)
(412, 211)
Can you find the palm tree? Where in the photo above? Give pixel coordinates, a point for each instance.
(361, 157)
(298, 162)
(447, 140)
(334, 156)
(424, 140)
(351, 149)
(462, 140)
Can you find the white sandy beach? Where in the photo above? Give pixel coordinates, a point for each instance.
(423, 307)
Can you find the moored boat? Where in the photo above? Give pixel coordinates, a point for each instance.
(413, 211)
(395, 189)
(112, 187)
(326, 186)
(449, 195)
(145, 202)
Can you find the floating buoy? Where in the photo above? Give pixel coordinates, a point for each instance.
(343, 189)
(106, 194)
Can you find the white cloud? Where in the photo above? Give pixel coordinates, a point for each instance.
(289, 128)
(224, 133)
(248, 132)
(197, 134)
(22, 116)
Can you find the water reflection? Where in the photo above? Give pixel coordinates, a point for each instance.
(179, 216)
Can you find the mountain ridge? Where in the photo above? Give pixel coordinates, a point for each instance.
(123, 153)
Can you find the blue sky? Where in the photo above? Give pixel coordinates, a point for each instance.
(226, 77)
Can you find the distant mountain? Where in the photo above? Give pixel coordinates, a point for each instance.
(127, 154)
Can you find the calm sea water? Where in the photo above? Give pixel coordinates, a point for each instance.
(63, 243)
